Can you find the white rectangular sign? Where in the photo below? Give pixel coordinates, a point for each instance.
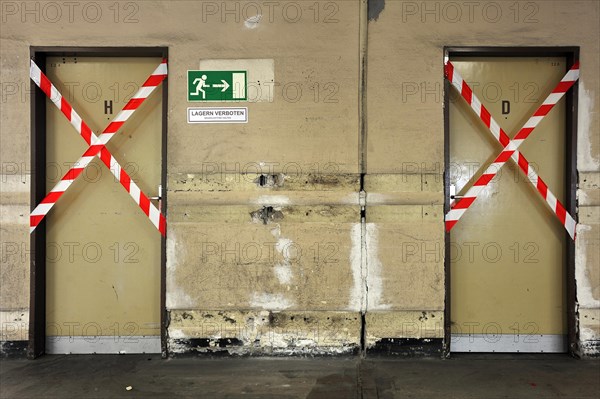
(217, 115)
(260, 76)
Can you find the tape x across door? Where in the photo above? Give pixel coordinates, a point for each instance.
(510, 149)
(97, 146)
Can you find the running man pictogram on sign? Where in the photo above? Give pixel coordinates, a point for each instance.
(217, 86)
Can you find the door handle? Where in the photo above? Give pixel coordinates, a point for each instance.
(158, 197)
(453, 193)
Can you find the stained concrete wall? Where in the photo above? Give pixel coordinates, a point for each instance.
(405, 130)
(289, 267)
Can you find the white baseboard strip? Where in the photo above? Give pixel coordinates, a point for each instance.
(102, 344)
(508, 343)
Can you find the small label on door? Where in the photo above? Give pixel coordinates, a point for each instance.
(218, 115)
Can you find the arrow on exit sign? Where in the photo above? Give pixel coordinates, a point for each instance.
(217, 85)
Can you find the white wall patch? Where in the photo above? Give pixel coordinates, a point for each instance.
(585, 297)
(252, 22)
(357, 299)
(176, 298)
(260, 72)
(585, 107)
(270, 301)
(374, 267)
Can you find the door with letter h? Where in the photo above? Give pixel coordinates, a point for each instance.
(100, 218)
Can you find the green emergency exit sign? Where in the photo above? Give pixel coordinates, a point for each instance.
(217, 86)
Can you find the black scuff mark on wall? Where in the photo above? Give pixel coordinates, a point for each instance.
(591, 349)
(265, 215)
(237, 347)
(13, 349)
(375, 7)
(270, 181)
(227, 318)
(407, 347)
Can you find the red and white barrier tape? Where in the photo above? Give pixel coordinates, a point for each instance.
(510, 148)
(97, 146)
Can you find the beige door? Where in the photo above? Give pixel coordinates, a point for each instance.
(103, 254)
(508, 250)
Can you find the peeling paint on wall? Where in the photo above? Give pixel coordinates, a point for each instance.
(351, 199)
(176, 333)
(357, 293)
(14, 325)
(176, 297)
(270, 301)
(586, 161)
(283, 270)
(244, 333)
(266, 215)
(252, 22)
(582, 197)
(588, 334)
(14, 214)
(272, 200)
(374, 268)
(585, 297)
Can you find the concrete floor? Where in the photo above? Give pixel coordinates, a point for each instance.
(152, 377)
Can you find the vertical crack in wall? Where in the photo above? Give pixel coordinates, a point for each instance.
(362, 86)
(363, 266)
(358, 262)
(362, 156)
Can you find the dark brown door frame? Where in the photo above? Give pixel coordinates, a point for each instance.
(37, 312)
(572, 55)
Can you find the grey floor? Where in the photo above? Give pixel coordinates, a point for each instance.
(150, 376)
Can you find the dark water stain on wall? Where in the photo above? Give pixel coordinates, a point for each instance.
(375, 8)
